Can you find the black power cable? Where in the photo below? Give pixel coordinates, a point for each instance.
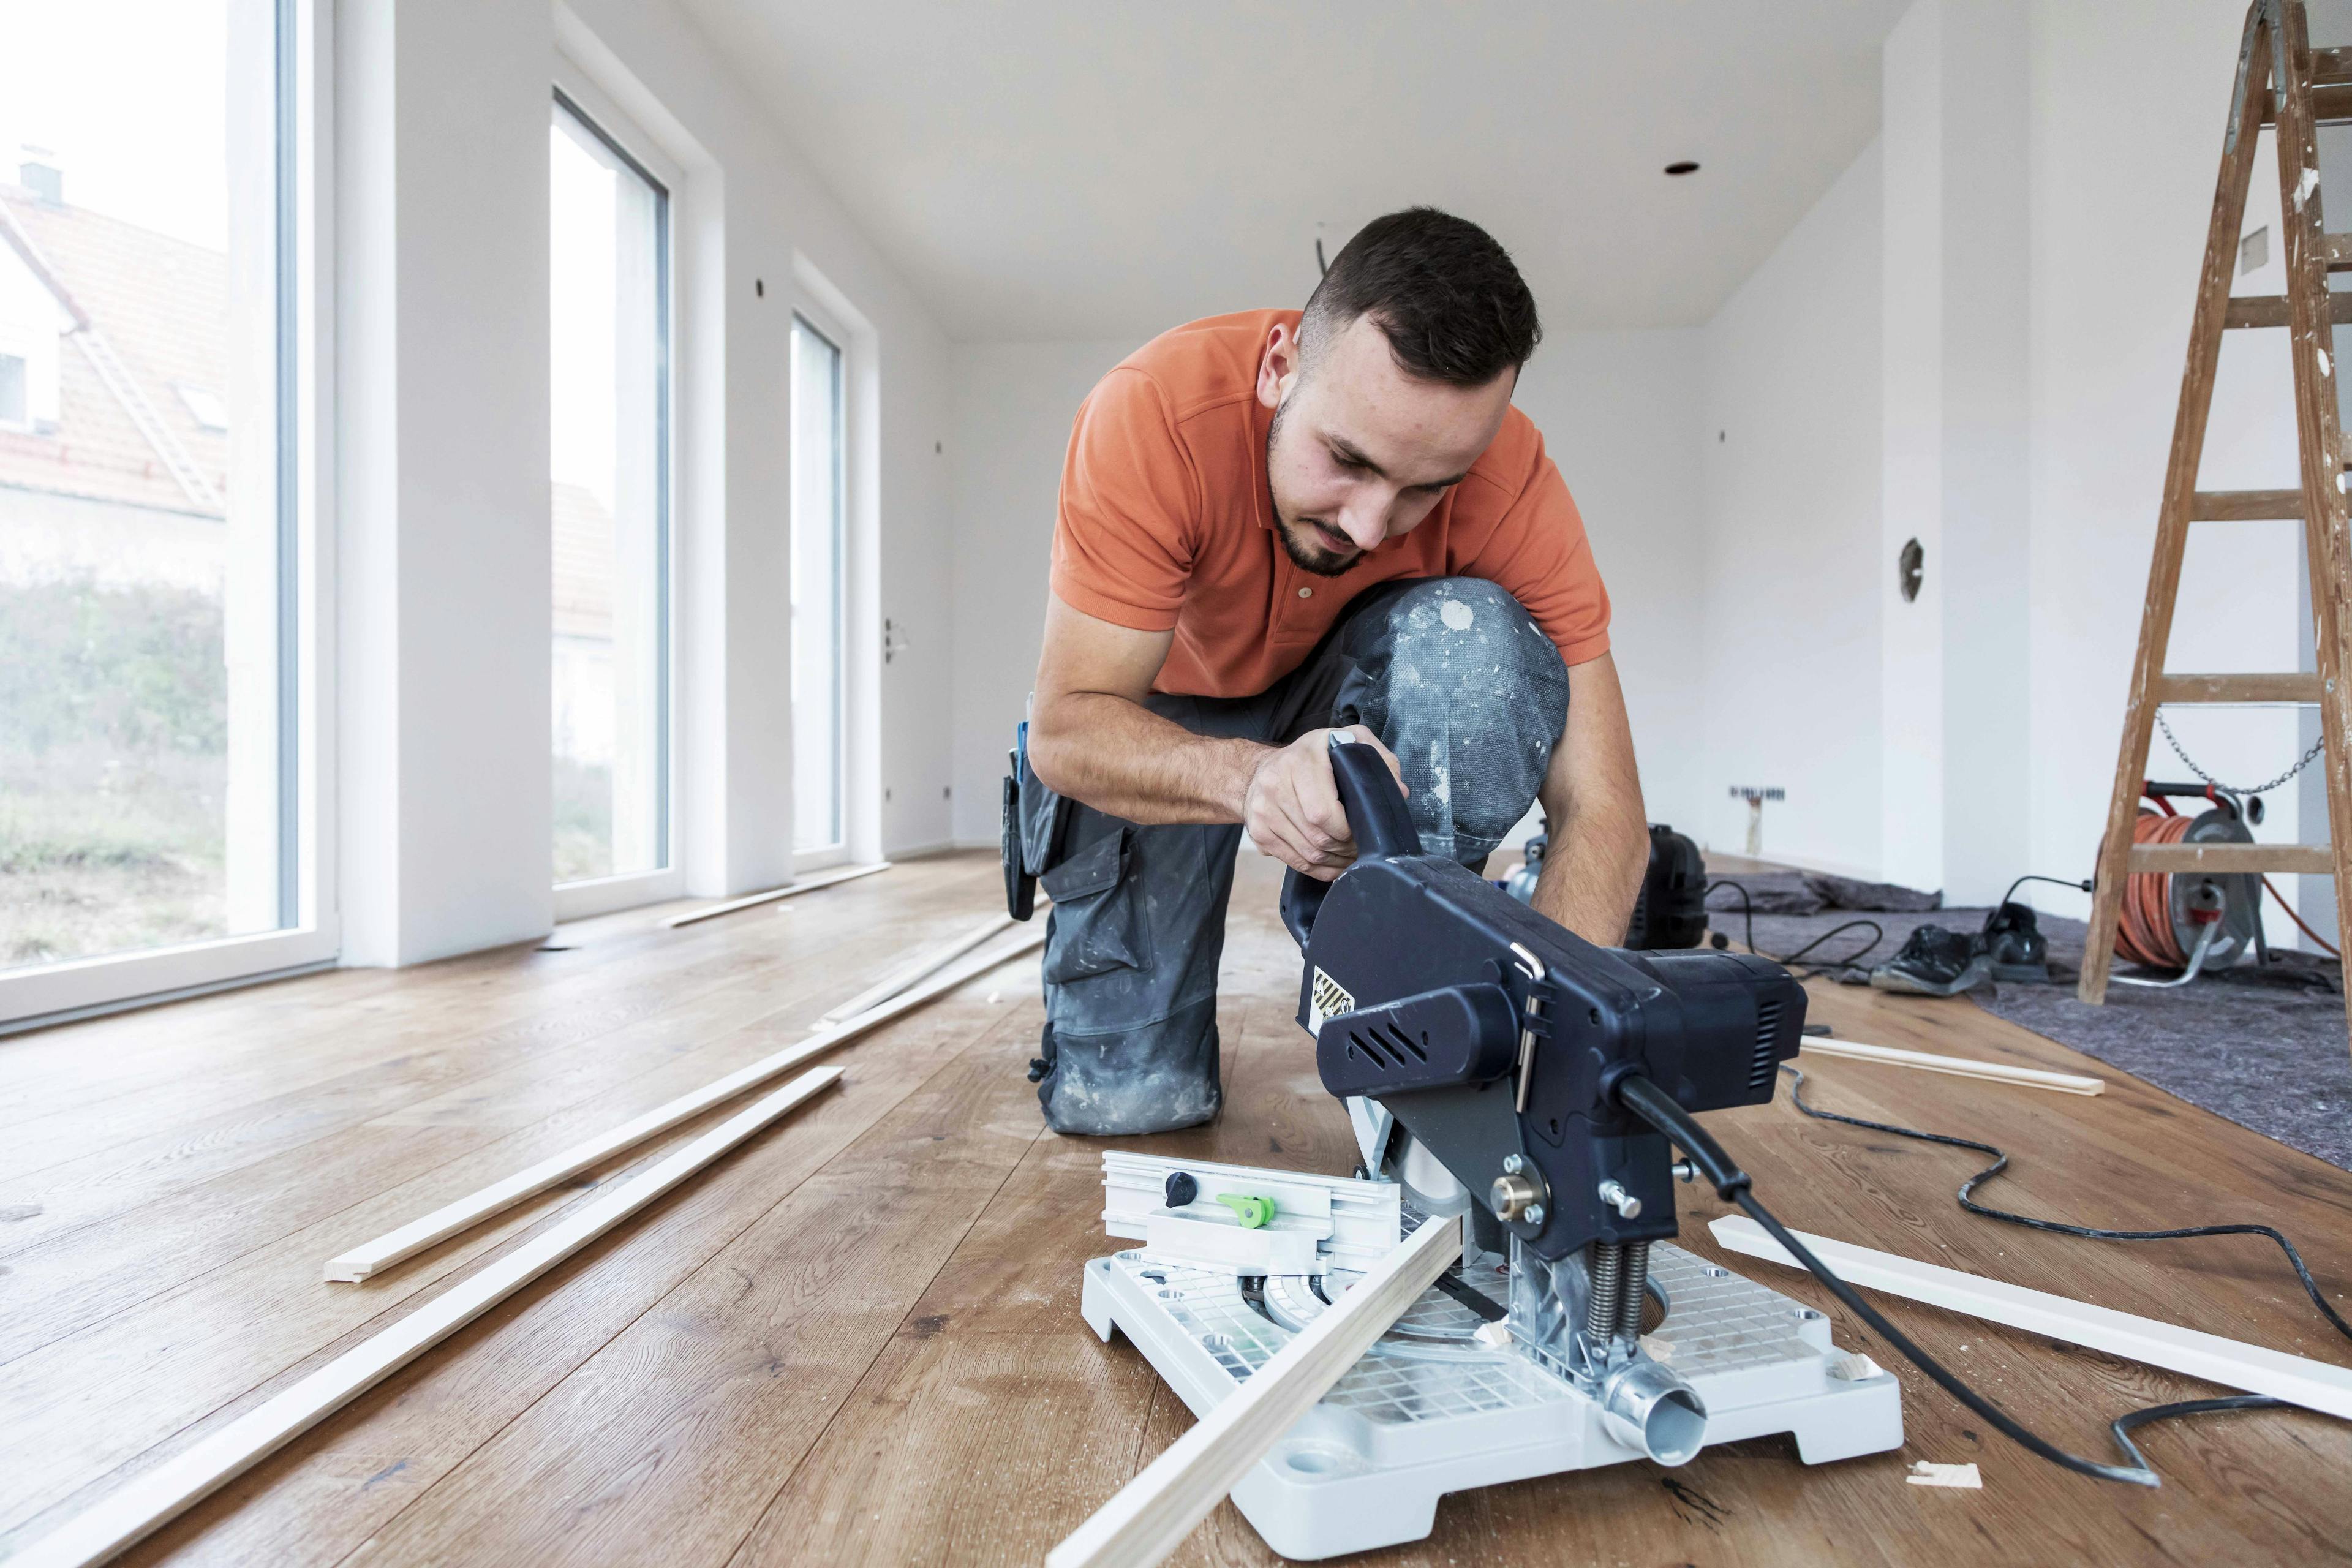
(1654, 1105)
(1851, 961)
(2091, 1233)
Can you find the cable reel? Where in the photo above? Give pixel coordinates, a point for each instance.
(2168, 915)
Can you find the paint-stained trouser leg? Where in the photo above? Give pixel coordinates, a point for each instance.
(1452, 676)
(1456, 679)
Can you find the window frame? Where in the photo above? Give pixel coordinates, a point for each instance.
(816, 319)
(574, 91)
(24, 382)
(309, 939)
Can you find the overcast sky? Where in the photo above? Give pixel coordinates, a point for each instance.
(130, 96)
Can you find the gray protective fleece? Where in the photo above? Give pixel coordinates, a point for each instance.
(1452, 675)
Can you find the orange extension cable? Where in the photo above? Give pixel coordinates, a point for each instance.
(2144, 934)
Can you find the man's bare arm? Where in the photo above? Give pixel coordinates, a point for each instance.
(1091, 739)
(1599, 834)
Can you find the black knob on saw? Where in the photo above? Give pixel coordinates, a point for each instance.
(1378, 819)
(1180, 1189)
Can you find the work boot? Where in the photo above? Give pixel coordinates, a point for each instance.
(1934, 962)
(2013, 944)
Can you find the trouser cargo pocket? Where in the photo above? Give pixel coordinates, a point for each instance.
(1095, 925)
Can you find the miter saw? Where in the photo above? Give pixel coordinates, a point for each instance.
(1504, 1075)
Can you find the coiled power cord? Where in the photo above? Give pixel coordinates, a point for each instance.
(1655, 1107)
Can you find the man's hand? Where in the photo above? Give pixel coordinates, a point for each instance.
(1293, 811)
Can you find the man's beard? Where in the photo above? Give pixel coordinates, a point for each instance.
(1304, 553)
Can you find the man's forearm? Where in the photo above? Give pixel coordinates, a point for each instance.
(1593, 865)
(1123, 759)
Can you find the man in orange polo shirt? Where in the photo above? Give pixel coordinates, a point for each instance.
(1273, 524)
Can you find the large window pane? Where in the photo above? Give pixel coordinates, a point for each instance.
(144, 578)
(611, 505)
(817, 418)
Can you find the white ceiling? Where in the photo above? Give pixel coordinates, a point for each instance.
(1109, 168)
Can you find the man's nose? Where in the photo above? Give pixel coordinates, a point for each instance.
(1366, 521)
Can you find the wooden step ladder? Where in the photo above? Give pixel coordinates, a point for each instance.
(2312, 87)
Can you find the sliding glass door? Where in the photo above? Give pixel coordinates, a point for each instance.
(819, 570)
(151, 576)
(610, 496)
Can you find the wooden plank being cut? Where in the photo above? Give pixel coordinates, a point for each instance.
(2313, 1385)
(921, 965)
(1151, 1514)
(809, 884)
(1958, 1066)
(464, 1214)
(154, 1496)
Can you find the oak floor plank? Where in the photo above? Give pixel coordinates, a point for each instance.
(680, 1429)
(138, 1376)
(864, 1343)
(95, 1269)
(351, 1478)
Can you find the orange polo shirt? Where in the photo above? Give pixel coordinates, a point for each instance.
(1166, 522)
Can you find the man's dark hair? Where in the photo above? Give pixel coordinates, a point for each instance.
(1453, 306)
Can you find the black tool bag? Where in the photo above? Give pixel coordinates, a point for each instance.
(1035, 817)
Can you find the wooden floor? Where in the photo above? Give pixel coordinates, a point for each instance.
(858, 1339)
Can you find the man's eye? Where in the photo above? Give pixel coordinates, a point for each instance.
(1353, 465)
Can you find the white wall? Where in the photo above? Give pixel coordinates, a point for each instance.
(442, 186)
(1014, 405)
(1790, 541)
(1620, 415)
(1977, 738)
(2110, 335)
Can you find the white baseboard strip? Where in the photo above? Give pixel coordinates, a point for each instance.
(919, 967)
(462, 1215)
(1959, 1067)
(156, 1496)
(1151, 1515)
(808, 884)
(2313, 1385)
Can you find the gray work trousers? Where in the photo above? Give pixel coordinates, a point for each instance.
(1455, 678)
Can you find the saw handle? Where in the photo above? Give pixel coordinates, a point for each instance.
(1378, 819)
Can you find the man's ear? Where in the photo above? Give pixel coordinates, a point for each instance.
(1279, 366)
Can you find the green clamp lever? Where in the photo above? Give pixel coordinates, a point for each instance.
(1251, 1210)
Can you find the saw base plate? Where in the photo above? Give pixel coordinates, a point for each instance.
(1430, 1410)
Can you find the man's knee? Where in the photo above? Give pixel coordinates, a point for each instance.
(1470, 670)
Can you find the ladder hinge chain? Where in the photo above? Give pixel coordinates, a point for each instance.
(2187, 761)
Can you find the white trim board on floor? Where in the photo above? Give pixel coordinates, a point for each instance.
(1150, 1516)
(2313, 1385)
(1958, 1066)
(808, 884)
(156, 1496)
(463, 1214)
(916, 968)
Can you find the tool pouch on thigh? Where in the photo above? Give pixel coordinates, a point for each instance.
(1034, 820)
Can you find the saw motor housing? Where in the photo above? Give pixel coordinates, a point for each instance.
(1496, 1039)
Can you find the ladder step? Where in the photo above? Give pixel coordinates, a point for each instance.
(2232, 859)
(2338, 248)
(2331, 103)
(2270, 311)
(2252, 688)
(2244, 506)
